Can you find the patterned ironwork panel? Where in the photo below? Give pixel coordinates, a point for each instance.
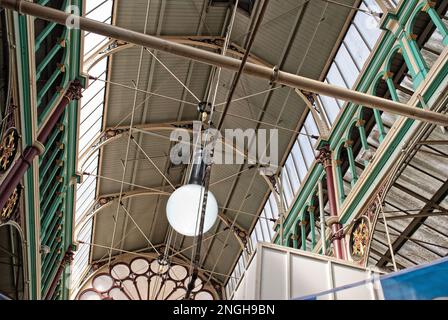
(144, 279)
(51, 53)
(53, 181)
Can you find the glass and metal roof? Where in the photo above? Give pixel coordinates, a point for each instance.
(344, 70)
(91, 122)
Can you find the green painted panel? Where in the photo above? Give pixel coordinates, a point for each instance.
(387, 44)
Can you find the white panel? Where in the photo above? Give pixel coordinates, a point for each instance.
(251, 280)
(344, 275)
(308, 276)
(273, 280)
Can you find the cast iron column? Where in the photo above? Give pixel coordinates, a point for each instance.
(24, 162)
(67, 260)
(336, 228)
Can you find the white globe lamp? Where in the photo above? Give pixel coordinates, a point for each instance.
(184, 210)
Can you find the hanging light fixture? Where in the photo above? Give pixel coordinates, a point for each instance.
(184, 206)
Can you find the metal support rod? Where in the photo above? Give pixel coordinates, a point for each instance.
(249, 96)
(252, 34)
(310, 101)
(173, 75)
(392, 255)
(119, 181)
(417, 215)
(153, 163)
(145, 255)
(135, 89)
(215, 59)
(203, 240)
(138, 227)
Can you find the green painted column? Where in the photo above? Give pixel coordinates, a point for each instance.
(27, 138)
(363, 136)
(303, 232)
(295, 241)
(312, 227)
(323, 226)
(340, 182)
(379, 123)
(414, 59)
(441, 27)
(391, 86)
(75, 73)
(351, 160)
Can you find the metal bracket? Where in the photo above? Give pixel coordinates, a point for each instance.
(275, 74)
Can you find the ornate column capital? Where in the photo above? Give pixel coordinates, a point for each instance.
(324, 156)
(411, 36)
(309, 96)
(388, 75)
(74, 91)
(331, 221)
(348, 144)
(360, 123)
(428, 5)
(68, 258)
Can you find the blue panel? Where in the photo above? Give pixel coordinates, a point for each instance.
(422, 283)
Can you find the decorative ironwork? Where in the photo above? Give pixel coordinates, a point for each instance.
(369, 216)
(74, 92)
(8, 148)
(241, 234)
(359, 238)
(114, 45)
(11, 206)
(144, 279)
(324, 156)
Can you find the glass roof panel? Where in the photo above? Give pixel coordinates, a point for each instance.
(91, 115)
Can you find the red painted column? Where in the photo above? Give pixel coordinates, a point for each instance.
(336, 227)
(24, 162)
(68, 258)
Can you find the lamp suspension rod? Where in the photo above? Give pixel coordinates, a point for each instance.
(214, 59)
(370, 12)
(236, 79)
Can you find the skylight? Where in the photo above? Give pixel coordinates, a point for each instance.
(91, 120)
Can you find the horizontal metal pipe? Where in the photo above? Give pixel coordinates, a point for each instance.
(215, 59)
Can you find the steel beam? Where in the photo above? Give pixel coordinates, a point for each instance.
(233, 64)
